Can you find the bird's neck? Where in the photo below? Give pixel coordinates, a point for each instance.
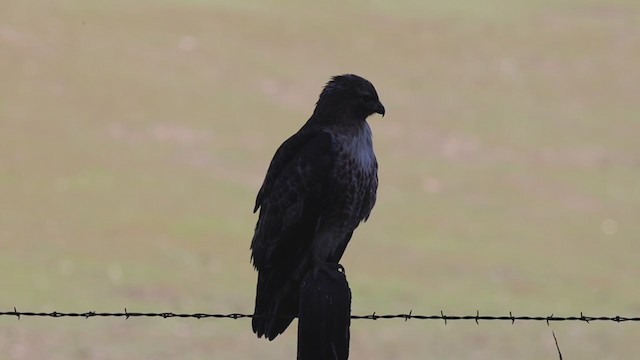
(334, 113)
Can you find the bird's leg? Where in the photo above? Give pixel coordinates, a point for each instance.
(321, 257)
(330, 269)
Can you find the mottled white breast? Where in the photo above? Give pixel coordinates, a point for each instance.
(360, 148)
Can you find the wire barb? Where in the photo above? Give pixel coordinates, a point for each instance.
(583, 318)
(408, 316)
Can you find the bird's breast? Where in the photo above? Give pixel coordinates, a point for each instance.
(358, 149)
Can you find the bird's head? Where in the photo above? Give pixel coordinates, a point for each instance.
(352, 94)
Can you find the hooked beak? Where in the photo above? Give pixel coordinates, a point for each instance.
(380, 109)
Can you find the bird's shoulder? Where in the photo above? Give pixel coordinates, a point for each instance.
(310, 150)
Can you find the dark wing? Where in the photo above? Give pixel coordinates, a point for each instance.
(290, 203)
(283, 156)
(290, 199)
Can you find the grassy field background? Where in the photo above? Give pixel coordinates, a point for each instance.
(134, 137)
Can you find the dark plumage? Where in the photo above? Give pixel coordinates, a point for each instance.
(320, 185)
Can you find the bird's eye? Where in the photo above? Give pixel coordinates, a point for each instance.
(368, 98)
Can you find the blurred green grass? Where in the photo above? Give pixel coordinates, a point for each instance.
(135, 136)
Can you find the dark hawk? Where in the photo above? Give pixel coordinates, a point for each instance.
(320, 185)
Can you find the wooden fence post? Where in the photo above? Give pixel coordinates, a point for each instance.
(324, 315)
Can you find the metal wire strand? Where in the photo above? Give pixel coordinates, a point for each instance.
(374, 316)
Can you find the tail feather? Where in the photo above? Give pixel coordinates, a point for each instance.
(276, 303)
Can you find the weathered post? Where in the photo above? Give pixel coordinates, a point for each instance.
(325, 315)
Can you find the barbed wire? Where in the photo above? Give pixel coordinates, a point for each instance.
(407, 316)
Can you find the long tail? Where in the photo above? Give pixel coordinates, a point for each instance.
(277, 297)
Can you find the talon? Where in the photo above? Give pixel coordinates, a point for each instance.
(327, 268)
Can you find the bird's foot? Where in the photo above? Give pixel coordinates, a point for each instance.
(330, 269)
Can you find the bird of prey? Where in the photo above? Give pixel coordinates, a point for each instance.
(320, 185)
